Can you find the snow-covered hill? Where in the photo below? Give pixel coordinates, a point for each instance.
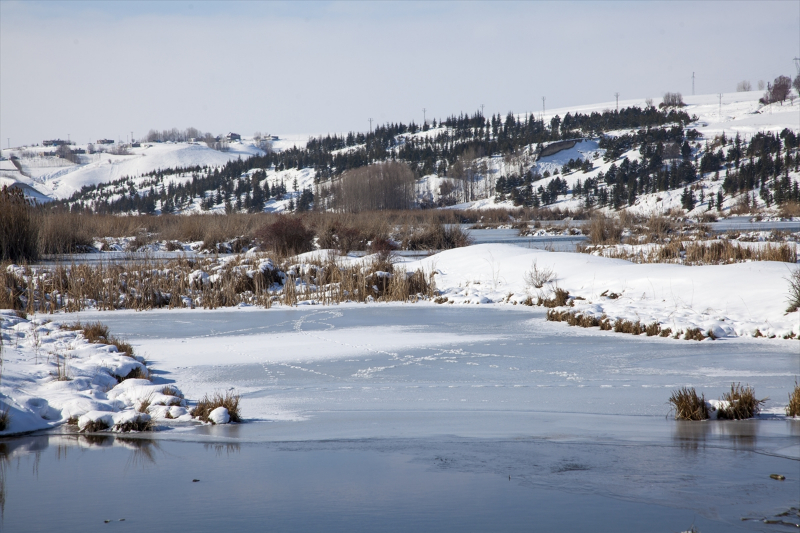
(475, 184)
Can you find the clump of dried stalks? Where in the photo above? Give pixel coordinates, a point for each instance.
(687, 405)
(741, 403)
(229, 400)
(793, 409)
(97, 333)
(560, 298)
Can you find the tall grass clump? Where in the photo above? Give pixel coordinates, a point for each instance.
(741, 403)
(19, 227)
(229, 400)
(604, 230)
(688, 405)
(97, 333)
(793, 409)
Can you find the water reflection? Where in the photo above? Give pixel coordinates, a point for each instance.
(229, 448)
(738, 434)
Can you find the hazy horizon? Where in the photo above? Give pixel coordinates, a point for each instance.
(90, 70)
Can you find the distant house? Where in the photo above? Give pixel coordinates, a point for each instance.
(105, 141)
(233, 137)
(54, 142)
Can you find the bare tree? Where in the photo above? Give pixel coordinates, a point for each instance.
(796, 84)
(760, 85)
(374, 187)
(744, 86)
(672, 100)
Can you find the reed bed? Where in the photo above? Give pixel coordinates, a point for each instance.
(694, 253)
(255, 279)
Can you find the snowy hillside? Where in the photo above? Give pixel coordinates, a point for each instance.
(643, 158)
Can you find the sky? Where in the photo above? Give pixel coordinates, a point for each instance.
(95, 69)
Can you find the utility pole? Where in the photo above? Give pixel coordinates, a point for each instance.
(616, 95)
(720, 106)
(131, 137)
(424, 117)
(543, 99)
(482, 111)
(370, 126)
(9, 142)
(692, 83)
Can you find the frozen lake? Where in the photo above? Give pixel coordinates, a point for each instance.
(296, 364)
(413, 417)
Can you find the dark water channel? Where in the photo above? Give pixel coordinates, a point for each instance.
(71, 483)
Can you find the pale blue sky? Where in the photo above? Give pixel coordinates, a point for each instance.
(102, 69)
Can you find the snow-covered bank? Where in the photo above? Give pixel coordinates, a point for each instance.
(727, 299)
(53, 376)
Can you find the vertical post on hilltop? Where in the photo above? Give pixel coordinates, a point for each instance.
(692, 83)
(616, 95)
(720, 106)
(424, 117)
(482, 115)
(543, 99)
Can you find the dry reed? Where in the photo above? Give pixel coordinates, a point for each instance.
(687, 405)
(741, 403)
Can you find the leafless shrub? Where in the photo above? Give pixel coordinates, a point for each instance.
(687, 405)
(744, 86)
(794, 290)
(537, 277)
(229, 400)
(286, 236)
(742, 403)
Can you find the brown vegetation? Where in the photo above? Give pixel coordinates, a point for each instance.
(229, 400)
(742, 403)
(97, 333)
(793, 409)
(687, 405)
